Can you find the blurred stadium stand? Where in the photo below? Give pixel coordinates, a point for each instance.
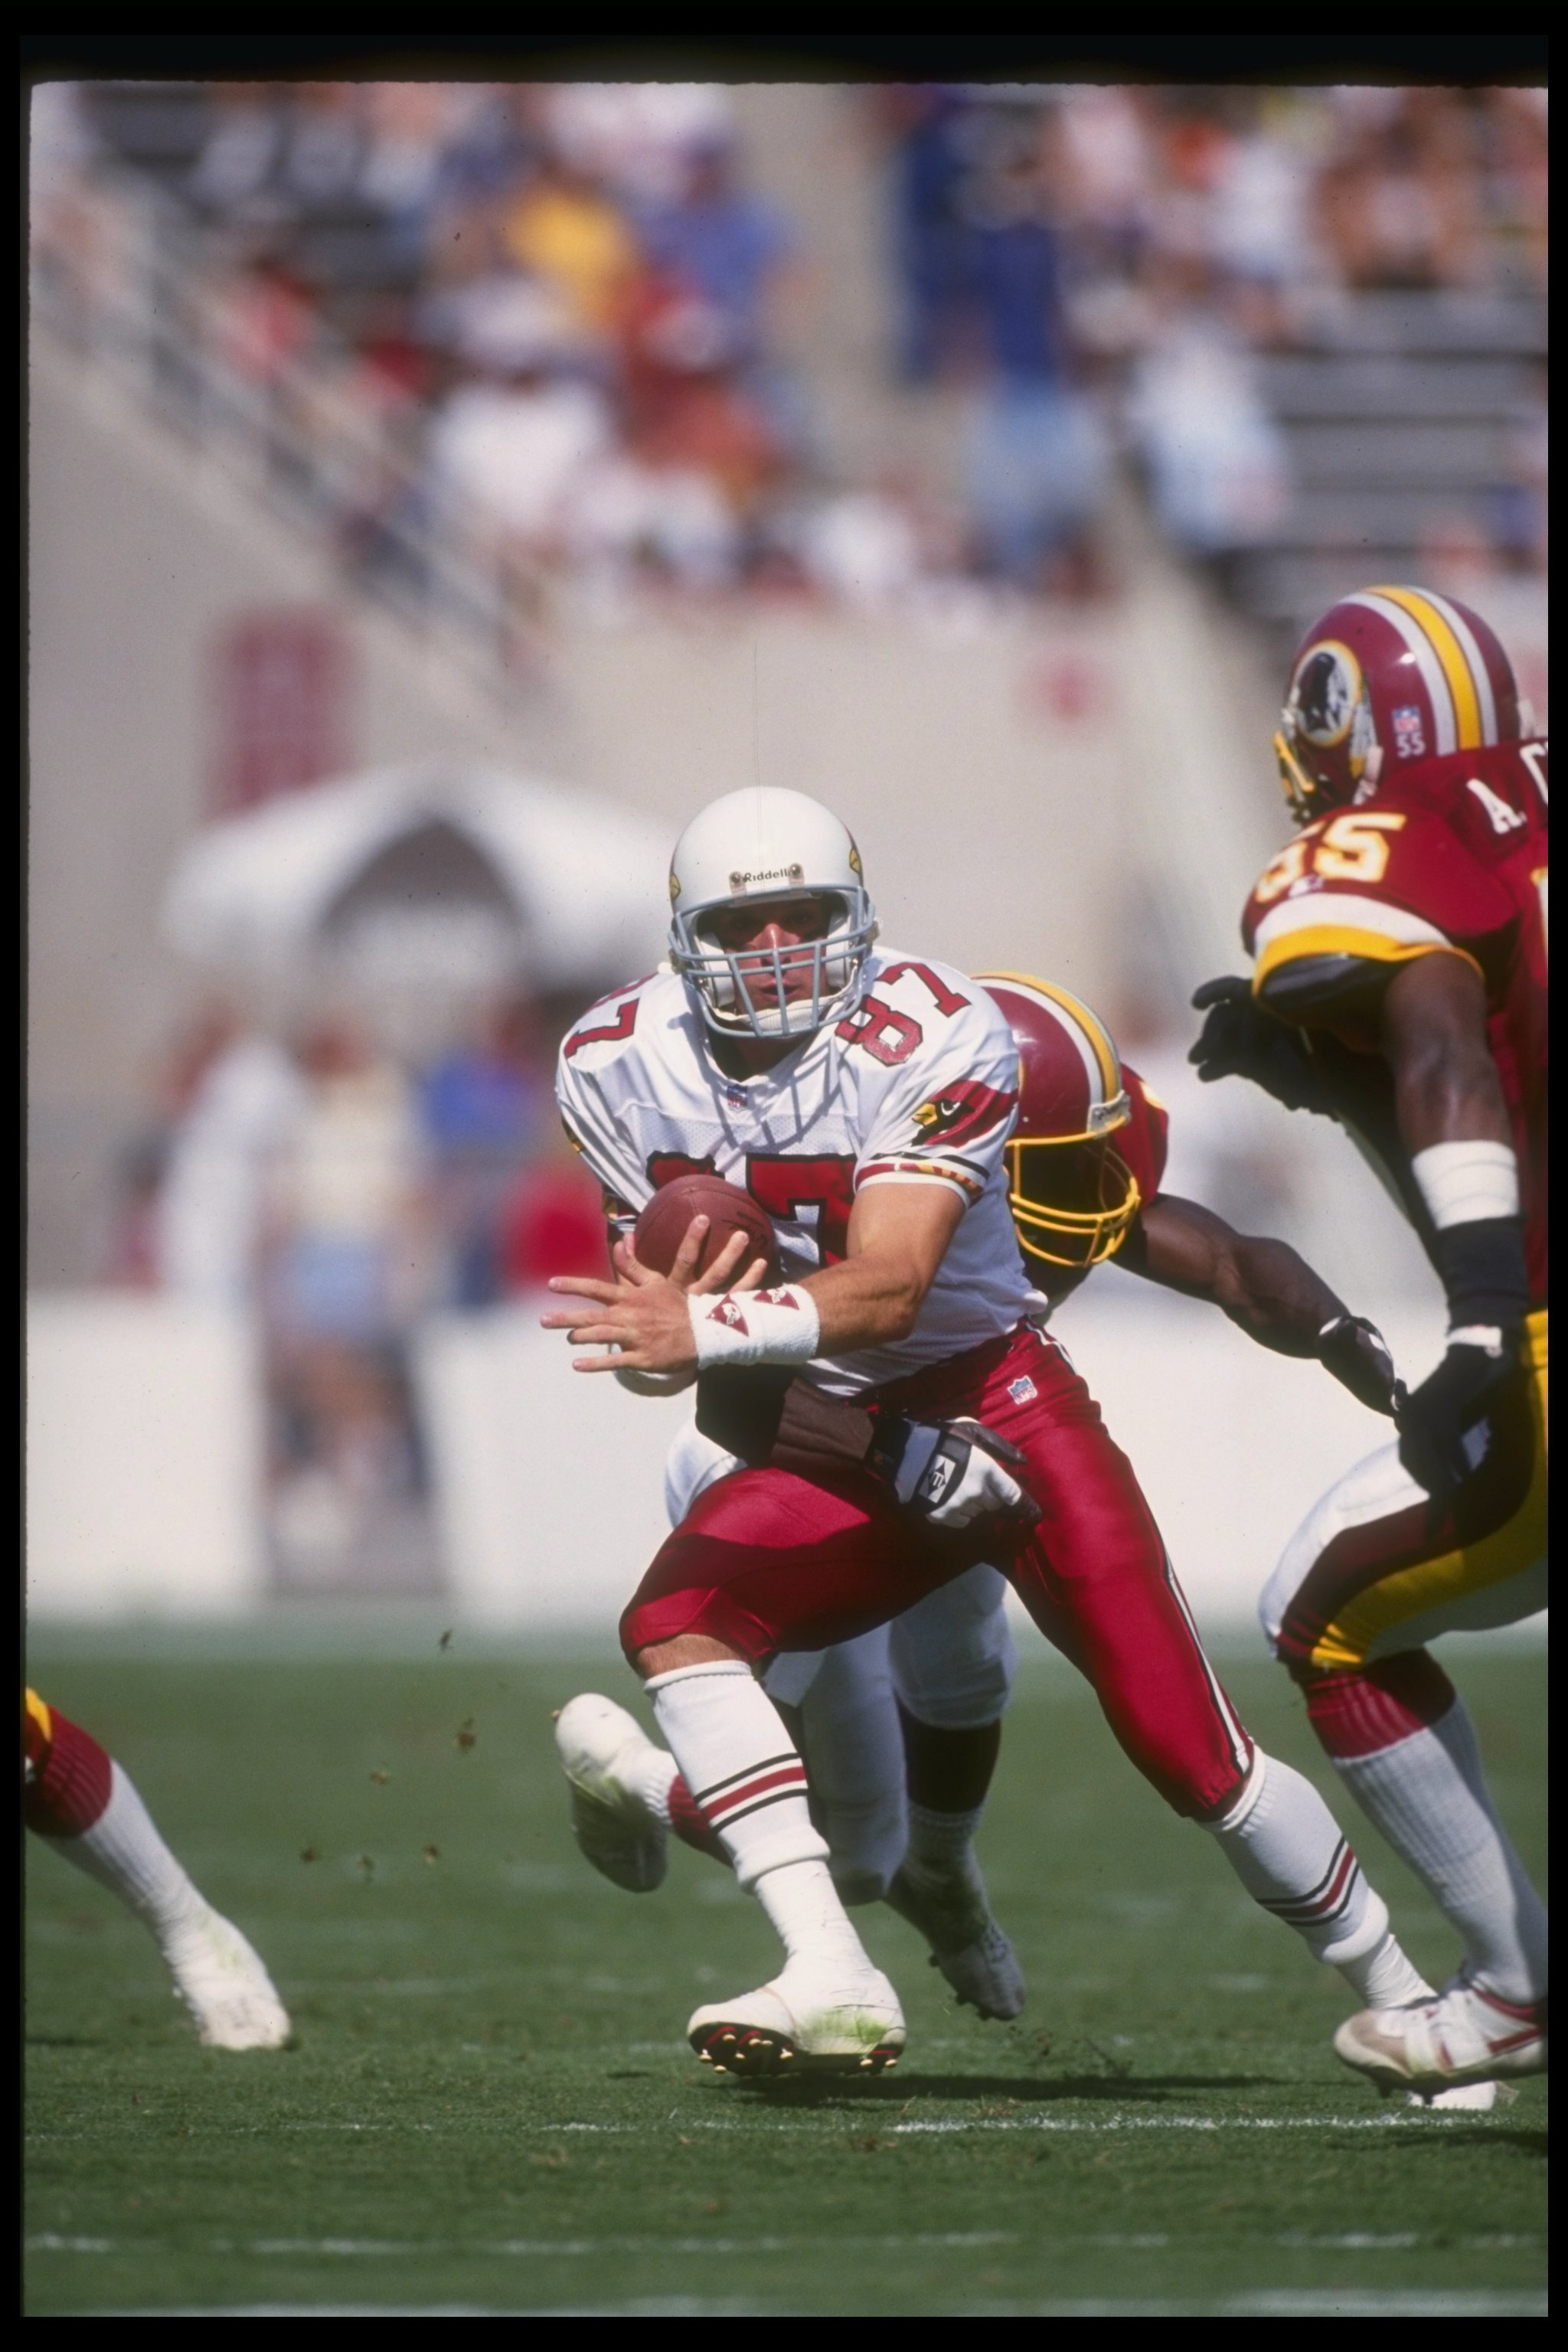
(1407, 419)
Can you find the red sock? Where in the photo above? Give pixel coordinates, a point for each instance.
(1362, 1709)
(71, 1776)
(690, 1825)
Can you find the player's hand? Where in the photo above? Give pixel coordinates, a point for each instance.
(1240, 1040)
(955, 1472)
(1441, 1440)
(1357, 1354)
(642, 1318)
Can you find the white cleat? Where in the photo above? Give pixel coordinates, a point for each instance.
(808, 2020)
(954, 1914)
(601, 1748)
(1479, 2097)
(1462, 2036)
(224, 1984)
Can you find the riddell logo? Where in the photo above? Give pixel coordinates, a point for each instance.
(753, 881)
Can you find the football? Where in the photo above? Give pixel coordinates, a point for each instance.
(661, 1228)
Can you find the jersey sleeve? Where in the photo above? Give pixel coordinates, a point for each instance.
(952, 1099)
(592, 1132)
(1144, 1142)
(1351, 900)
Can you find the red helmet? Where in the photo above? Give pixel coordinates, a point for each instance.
(1388, 675)
(1071, 1193)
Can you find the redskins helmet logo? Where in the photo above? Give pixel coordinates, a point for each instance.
(964, 1109)
(1325, 693)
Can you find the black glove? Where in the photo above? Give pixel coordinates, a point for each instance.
(952, 1472)
(1356, 1352)
(1434, 1420)
(1240, 1040)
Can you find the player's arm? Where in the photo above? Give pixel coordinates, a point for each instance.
(1263, 1288)
(1454, 1123)
(898, 1234)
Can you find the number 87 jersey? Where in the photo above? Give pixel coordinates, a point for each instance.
(917, 1085)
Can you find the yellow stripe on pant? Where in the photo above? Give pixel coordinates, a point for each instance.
(1428, 1585)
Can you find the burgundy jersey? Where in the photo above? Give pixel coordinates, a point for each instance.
(1448, 855)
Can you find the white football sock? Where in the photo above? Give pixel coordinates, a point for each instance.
(745, 1773)
(1285, 1847)
(124, 1851)
(1428, 1797)
(740, 1765)
(1386, 1977)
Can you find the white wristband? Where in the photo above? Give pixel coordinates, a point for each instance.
(755, 1326)
(1462, 1183)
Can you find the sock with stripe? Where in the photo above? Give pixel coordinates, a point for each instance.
(1399, 1737)
(746, 1780)
(689, 1823)
(1285, 1847)
(86, 1807)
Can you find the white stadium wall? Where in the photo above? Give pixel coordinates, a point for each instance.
(145, 1458)
(144, 1450)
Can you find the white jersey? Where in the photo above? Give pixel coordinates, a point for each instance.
(919, 1085)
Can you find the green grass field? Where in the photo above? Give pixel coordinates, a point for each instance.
(491, 2108)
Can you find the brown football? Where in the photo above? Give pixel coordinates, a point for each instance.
(661, 1228)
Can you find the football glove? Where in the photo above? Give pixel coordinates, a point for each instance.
(1356, 1352)
(1239, 1040)
(953, 1472)
(1441, 1434)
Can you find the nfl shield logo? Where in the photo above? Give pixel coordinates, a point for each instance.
(1021, 1392)
(1409, 736)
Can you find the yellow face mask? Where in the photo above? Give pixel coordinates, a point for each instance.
(1054, 1233)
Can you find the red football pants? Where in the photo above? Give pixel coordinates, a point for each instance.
(765, 1561)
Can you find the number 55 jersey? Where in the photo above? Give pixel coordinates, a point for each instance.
(1449, 857)
(919, 1085)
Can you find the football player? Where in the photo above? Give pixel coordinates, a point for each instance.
(866, 1098)
(84, 1804)
(1399, 985)
(900, 1727)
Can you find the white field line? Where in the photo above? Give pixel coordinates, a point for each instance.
(569, 2249)
(760, 2125)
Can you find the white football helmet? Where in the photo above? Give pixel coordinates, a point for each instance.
(764, 842)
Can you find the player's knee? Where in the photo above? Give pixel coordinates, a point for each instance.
(1359, 1710)
(662, 1632)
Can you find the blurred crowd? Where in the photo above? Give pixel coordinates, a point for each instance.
(560, 305)
(339, 1197)
(1100, 265)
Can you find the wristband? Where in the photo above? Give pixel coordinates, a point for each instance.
(1462, 1183)
(1484, 1274)
(755, 1326)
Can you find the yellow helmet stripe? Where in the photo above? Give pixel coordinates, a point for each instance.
(1444, 640)
(1086, 1021)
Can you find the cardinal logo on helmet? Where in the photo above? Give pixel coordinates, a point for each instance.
(965, 1109)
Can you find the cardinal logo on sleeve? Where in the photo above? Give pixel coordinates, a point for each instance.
(963, 1110)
